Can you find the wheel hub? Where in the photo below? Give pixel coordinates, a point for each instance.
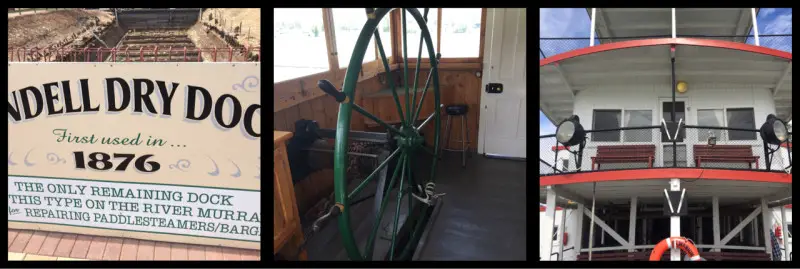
(410, 138)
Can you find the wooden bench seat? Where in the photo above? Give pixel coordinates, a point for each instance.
(725, 153)
(624, 154)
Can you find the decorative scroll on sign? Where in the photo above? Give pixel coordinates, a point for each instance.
(157, 151)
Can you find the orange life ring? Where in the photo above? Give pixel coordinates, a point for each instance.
(681, 243)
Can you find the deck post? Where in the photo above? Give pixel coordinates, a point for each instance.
(577, 232)
(675, 221)
(767, 216)
(673, 24)
(784, 234)
(591, 32)
(546, 230)
(755, 26)
(700, 232)
(561, 230)
(715, 221)
(632, 224)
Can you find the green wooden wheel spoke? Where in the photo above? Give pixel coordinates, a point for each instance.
(379, 215)
(406, 138)
(389, 75)
(424, 93)
(403, 176)
(416, 71)
(372, 175)
(405, 67)
(358, 109)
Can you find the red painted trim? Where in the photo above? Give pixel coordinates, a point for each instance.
(784, 145)
(788, 206)
(661, 173)
(666, 41)
(542, 208)
(554, 148)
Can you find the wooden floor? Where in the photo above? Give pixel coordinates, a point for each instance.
(77, 246)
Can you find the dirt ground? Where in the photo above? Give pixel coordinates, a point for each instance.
(203, 40)
(228, 18)
(42, 30)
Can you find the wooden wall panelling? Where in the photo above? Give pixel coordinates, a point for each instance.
(292, 115)
(280, 121)
(331, 111)
(306, 112)
(318, 108)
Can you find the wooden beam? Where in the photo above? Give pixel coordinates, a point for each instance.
(767, 218)
(330, 39)
(782, 79)
(483, 33)
(566, 81)
(570, 195)
(632, 224)
(735, 231)
(607, 229)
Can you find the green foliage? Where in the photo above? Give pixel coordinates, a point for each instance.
(315, 30)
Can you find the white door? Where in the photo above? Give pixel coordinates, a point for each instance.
(503, 121)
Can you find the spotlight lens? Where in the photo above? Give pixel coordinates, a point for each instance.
(565, 131)
(780, 130)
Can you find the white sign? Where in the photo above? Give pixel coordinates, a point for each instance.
(154, 208)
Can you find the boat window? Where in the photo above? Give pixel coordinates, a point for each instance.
(461, 32)
(564, 165)
(789, 228)
(638, 118)
(299, 39)
(413, 32)
(606, 119)
(555, 233)
(709, 117)
(743, 118)
(347, 23)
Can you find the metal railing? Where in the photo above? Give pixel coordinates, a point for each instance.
(141, 54)
(549, 46)
(650, 147)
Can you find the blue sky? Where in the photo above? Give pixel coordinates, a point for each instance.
(575, 22)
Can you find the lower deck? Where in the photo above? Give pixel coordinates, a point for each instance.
(481, 217)
(720, 220)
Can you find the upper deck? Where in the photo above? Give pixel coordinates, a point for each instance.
(713, 49)
(619, 81)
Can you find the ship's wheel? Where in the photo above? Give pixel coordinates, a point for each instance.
(419, 189)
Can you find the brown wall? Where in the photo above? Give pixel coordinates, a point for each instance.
(457, 86)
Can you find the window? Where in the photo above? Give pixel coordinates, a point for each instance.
(638, 118)
(709, 117)
(564, 165)
(413, 33)
(742, 118)
(606, 119)
(348, 23)
(461, 32)
(299, 39)
(385, 29)
(555, 232)
(789, 227)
